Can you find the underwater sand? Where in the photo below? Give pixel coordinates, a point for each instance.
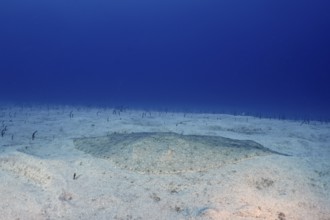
(89, 163)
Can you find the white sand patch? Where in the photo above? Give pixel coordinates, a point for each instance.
(46, 177)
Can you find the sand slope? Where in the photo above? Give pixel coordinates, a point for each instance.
(37, 174)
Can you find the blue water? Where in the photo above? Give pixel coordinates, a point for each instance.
(257, 57)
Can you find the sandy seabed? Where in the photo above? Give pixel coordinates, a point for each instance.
(44, 176)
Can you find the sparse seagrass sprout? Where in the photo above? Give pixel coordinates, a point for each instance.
(3, 131)
(34, 135)
(71, 114)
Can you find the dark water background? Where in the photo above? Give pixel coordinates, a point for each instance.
(259, 57)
